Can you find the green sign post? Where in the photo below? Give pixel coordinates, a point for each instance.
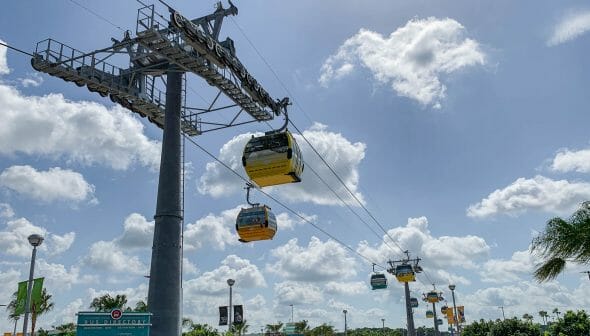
(115, 323)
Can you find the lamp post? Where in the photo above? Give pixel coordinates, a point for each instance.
(383, 322)
(455, 317)
(345, 324)
(230, 282)
(503, 316)
(15, 321)
(292, 320)
(35, 240)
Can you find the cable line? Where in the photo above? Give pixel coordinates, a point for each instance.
(282, 204)
(96, 14)
(16, 49)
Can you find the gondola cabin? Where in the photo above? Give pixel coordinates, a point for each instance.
(405, 273)
(429, 314)
(432, 297)
(256, 223)
(439, 321)
(443, 309)
(413, 302)
(378, 281)
(273, 159)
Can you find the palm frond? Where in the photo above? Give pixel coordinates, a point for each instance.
(549, 269)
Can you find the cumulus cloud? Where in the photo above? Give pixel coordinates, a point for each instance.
(438, 253)
(55, 184)
(84, 132)
(212, 230)
(286, 222)
(302, 263)
(6, 210)
(509, 270)
(538, 193)
(107, 256)
(13, 239)
(342, 155)
(61, 278)
(138, 232)
(569, 28)
(246, 275)
(346, 288)
(292, 292)
(33, 80)
(4, 70)
(569, 161)
(411, 59)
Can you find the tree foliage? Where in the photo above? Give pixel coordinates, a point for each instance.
(562, 241)
(107, 303)
(572, 324)
(40, 308)
(196, 329)
(323, 330)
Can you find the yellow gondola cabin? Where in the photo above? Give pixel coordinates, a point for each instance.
(273, 159)
(256, 223)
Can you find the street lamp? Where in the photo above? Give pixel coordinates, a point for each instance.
(383, 322)
(35, 240)
(292, 313)
(345, 325)
(230, 282)
(452, 288)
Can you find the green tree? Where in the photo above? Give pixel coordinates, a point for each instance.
(68, 329)
(40, 308)
(514, 327)
(241, 328)
(543, 315)
(195, 329)
(323, 330)
(141, 307)
(302, 327)
(562, 241)
(481, 328)
(556, 312)
(107, 303)
(527, 317)
(572, 324)
(11, 308)
(274, 328)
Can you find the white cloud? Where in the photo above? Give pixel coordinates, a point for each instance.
(246, 275)
(511, 270)
(188, 268)
(107, 256)
(539, 193)
(438, 254)
(411, 59)
(568, 161)
(13, 240)
(292, 292)
(138, 232)
(34, 79)
(6, 210)
(4, 70)
(285, 222)
(343, 156)
(56, 184)
(309, 263)
(346, 288)
(212, 230)
(60, 278)
(569, 28)
(84, 132)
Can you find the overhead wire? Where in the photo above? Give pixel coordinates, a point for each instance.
(305, 138)
(96, 14)
(377, 222)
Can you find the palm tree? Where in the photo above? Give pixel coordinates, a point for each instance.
(11, 308)
(556, 312)
(39, 308)
(543, 315)
(323, 330)
(302, 327)
(274, 328)
(241, 328)
(527, 317)
(108, 303)
(562, 241)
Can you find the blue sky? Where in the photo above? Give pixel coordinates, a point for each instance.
(460, 126)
